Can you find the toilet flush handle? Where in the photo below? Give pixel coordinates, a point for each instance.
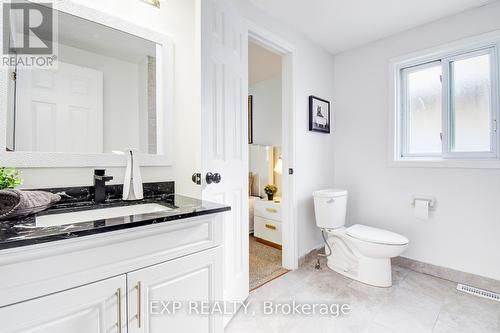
(331, 200)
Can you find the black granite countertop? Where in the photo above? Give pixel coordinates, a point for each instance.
(23, 232)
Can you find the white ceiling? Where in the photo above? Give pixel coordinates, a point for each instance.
(339, 25)
(262, 64)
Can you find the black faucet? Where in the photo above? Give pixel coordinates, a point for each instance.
(100, 180)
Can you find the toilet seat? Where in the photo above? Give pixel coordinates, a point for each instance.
(375, 235)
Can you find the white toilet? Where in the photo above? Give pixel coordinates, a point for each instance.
(360, 252)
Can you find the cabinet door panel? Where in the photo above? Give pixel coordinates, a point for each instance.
(192, 278)
(89, 309)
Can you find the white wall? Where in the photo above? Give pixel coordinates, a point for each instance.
(267, 119)
(463, 232)
(314, 158)
(177, 18)
(266, 112)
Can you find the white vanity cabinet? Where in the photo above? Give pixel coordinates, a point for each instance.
(97, 307)
(94, 283)
(175, 283)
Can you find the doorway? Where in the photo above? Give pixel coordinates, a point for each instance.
(265, 164)
(271, 139)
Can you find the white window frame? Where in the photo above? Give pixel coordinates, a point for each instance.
(403, 109)
(398, 143)
(447, 105)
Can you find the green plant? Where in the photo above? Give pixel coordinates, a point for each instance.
(9, 178)
(270, 189)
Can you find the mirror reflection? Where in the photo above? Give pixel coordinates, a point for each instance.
(101, 97)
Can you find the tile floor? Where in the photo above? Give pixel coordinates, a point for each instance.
(415, 303)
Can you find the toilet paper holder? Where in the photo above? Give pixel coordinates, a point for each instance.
(431, 200)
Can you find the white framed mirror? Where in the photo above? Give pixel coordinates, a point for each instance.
(111, 90)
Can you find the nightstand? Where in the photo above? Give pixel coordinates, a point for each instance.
(267, 222)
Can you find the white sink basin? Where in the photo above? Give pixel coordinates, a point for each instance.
(98, 214)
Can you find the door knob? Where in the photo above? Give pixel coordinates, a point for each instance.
(217, 178)
(196, 178)
(213, 178)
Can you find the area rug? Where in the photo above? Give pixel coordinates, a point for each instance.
(265, 264)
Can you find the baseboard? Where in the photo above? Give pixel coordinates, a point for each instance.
(268, 243)
(449, 274)
(429, 269)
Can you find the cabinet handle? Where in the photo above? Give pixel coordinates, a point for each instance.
(138, 286)
(271, 210)
(270, 226)
(119, 309)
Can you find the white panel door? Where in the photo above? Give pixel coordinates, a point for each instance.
(193, 278)
(224, 133)
(93, 308)
(59, 110)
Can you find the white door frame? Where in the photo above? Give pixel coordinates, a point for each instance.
(289, 205)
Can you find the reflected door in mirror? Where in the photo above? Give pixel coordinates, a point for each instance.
(59, 111)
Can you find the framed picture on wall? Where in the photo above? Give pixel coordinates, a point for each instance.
(250, 119)
(319, 115)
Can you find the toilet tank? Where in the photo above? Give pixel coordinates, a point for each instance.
(330, 208)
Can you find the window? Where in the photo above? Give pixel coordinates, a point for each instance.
(448, 106)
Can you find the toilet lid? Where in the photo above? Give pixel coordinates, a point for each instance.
(376, 235)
